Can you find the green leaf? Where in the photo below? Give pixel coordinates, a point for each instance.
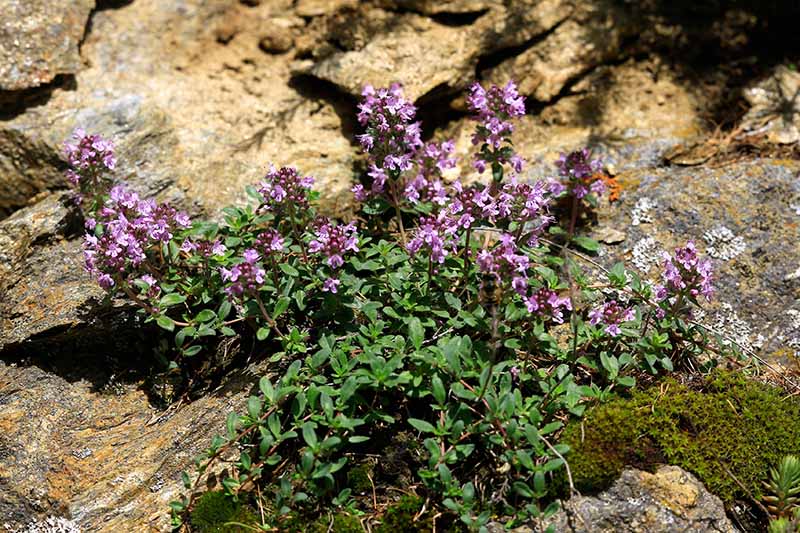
(280, 307)
(224, 309)
(626, 381)
(166, 322)
(356, 439)
(245, 460)
(590, 245)
(206, 315)
(231, 424)
(300, 299)
(289, 270)
(438, 389)
(192, 350)
(266, 388)
(171, 299)
(422, 425)
(262, 333)
(522, 489)
(416, 332)
(452, 301)
(253, 407)
(309, 435)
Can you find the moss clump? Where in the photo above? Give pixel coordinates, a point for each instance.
(729, 423)
(341, 523)
(358, 479)
(400, 517)
(213, 510)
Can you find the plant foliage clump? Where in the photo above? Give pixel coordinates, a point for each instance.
(459, 312)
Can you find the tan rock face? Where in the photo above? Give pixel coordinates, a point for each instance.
(385, 47)
(775, 107)
(105, 458)
(39, 40)
(588, 39)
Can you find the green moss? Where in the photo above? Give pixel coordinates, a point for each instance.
(358, 479)
(342, 523)
(400, 517)
(732, 424)
(213, 510)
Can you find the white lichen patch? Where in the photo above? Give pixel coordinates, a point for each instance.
(642, 211)
(158, 483)
(82, 453)
(723, 243)
(731, 326)
(51, 524)
(794, 319)
(645, 254)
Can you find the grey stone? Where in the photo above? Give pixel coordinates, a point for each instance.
(669, 501)
(39, 40)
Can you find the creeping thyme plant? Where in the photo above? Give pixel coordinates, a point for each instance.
(456, 312)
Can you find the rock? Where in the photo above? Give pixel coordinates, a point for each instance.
(740, 216)
(315, 8)
(390, 46)
(434, 7)
(450, 56)
(137, 457)
(775, 107)
(669, 501)
(276, 40)
(39, 40)
(571, 49)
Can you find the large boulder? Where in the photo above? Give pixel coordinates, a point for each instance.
(384, 47)
(85, 446)
(39, 40)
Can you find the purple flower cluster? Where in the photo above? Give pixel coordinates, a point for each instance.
(204, 248)
(524, 203)
(547, 304)
(436, 234)
(392, 137)
(130, 228)
(431, 160)
(244, 277)
(284, 190)
(149, 286)
(505, 261)
(332, 242)
(493, 109)
(580, 172)
(686, 273)
(611, 314)
(89, 156)
(270, 242)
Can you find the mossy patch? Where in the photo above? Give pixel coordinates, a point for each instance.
(213, 510)
(400, 517)
(358, 478)
(727, 427)
(338, 523)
